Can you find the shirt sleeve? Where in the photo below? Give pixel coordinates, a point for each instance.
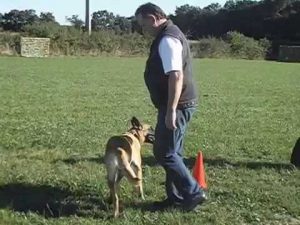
(170, 51)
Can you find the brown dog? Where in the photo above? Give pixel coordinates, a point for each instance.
(123, 158)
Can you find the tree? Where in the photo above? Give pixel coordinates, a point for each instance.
(274, 19)
(1, 18)
(122, 24)
(238, 4)
(75, 21)
(213, 7)
(102, 20)
(47, 17)
(273, 7)
(15, 20)
(230, 4)
(187, 10)
(185, 17)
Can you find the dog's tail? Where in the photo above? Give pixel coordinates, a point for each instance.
(124, 162)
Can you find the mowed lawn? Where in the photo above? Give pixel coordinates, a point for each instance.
(56, 115)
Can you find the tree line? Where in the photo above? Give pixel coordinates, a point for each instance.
(238, 29)
(272, 19)
(18, 20)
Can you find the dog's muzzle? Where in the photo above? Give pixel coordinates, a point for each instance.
(150, 138)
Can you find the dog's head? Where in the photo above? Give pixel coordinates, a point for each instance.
(144, 131)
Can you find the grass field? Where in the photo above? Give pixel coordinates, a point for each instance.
(56, 115)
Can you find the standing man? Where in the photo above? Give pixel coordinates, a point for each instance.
(168, 77)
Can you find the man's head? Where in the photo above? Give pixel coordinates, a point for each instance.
(150, 17)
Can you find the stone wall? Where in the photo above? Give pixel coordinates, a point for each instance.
(35, 47)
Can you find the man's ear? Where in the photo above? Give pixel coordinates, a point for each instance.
(152, 19)
(136, 123)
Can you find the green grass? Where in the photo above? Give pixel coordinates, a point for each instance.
(56, 115)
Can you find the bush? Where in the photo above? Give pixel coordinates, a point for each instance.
(67, 40)
(246, 47)
(10, 43)
(43, 30)
(210, 48)
(234, 45)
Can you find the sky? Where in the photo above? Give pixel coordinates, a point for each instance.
(63, 8)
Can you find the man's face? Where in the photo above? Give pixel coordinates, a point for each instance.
(148, 24)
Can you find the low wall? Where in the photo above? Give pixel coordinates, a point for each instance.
(35, 47)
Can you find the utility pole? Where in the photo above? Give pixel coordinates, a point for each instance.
(87, 17)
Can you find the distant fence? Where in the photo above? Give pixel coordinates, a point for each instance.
(289, 53)
(35, 47)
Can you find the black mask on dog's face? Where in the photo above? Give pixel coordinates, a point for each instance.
(150, 137)
(144, 130)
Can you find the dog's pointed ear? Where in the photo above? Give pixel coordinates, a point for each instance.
(136, 123)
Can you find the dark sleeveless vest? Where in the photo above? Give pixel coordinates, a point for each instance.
(157, 81)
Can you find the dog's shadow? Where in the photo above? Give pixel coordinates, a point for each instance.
(49, 201)
(76, 159)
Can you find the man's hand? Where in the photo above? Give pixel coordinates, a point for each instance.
(170, 120)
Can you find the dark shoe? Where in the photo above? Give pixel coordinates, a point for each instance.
(163, 205)
(190, 204)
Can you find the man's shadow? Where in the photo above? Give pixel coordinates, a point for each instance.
(222, 162)
(50, 201)
(190, 162)
(254, 165)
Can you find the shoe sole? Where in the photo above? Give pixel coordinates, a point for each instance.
(194, 206)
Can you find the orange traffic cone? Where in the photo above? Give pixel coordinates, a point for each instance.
(199, 172)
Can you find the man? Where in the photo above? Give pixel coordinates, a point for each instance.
(168, 77)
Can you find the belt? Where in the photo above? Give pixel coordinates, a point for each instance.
(185, 105)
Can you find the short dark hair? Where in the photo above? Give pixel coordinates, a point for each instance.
(151, 9)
